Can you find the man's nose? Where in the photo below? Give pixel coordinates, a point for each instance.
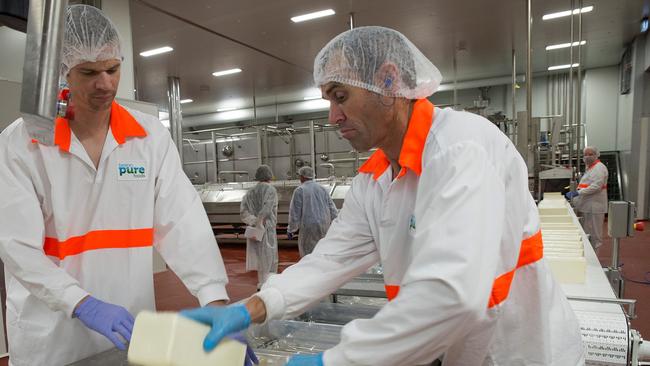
(336, 115)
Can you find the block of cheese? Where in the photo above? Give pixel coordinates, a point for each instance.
(553, 211)
(168, 339)
(568, 269)
(555, 218)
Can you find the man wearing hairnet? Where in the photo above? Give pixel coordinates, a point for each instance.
(311, 211)
(444, 205)
(259, 207)
(591, 197)
(81, 213)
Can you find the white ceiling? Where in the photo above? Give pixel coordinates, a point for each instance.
(485, 30)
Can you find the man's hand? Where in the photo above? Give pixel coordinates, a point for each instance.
(224, 320)
(306, 360)
(571, 195)
(106, 319)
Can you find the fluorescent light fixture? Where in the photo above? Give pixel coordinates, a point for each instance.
(566, 13)
(314, 15)
(226, 72)
(564, 45)
(156, 51)
(644, 25)
(226, 109)
(560, 67)
(312, 97)
(183, 101)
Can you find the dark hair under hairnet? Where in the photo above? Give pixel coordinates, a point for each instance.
(306, 172)
(263, 173)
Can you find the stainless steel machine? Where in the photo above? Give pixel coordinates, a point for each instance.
(222, 203)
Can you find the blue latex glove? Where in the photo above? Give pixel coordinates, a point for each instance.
(224, 320)
(289, 235)
(106, 319)
(251, 358)
(306, 360)
(570, 195)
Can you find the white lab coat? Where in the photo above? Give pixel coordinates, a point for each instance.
(592, 201)
(593, 190)
(311, 211)
(444, 236)
(97, 228)
(260, 205)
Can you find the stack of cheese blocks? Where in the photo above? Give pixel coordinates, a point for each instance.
(563, 244)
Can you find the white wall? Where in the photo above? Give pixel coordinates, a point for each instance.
(119, 13)
(12, 44)
(601, 94)
(9, 102)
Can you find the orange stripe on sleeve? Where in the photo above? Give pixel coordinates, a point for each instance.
(100, 239)
(531, 250)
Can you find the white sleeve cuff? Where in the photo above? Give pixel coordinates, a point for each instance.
(334, 356)
(274, 303)
(212, 292)
(71, 297)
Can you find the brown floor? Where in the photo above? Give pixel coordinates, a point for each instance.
(635, 259)
(171, 294)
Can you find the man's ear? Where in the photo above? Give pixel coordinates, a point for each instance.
(388, 78)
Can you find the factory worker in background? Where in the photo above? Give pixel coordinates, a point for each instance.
(311, 211)
(591, 197)
(444, 205)
(79, 217)
(259, 207)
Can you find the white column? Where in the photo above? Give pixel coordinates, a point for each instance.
(118, 11)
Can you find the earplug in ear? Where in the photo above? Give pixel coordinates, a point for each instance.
(388, 82)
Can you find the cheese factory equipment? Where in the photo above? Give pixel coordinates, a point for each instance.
(222, 203)
(621, 217)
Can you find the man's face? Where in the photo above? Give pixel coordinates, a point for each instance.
(362, 118)
(93, 85)
(590, 154)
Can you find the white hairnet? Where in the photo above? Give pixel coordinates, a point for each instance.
(307, 172)
(594, 149)
(263, 173)
(357, 57)
(89, 37)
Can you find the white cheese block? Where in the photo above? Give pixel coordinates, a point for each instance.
(568, 270)
(553, 211)
(555, 218)
(168, 339)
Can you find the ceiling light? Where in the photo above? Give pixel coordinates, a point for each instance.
(226, 72)
(566, 13)
(564, 45)
(310, 16)
(183, 101)
(226, 109)
(560, 67)
(312, 97)
(156, 51)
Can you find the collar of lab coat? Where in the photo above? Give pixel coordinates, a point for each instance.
(593, 164)
(412, 147)
(122, 124)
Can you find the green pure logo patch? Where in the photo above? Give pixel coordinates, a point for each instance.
(131, 171)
